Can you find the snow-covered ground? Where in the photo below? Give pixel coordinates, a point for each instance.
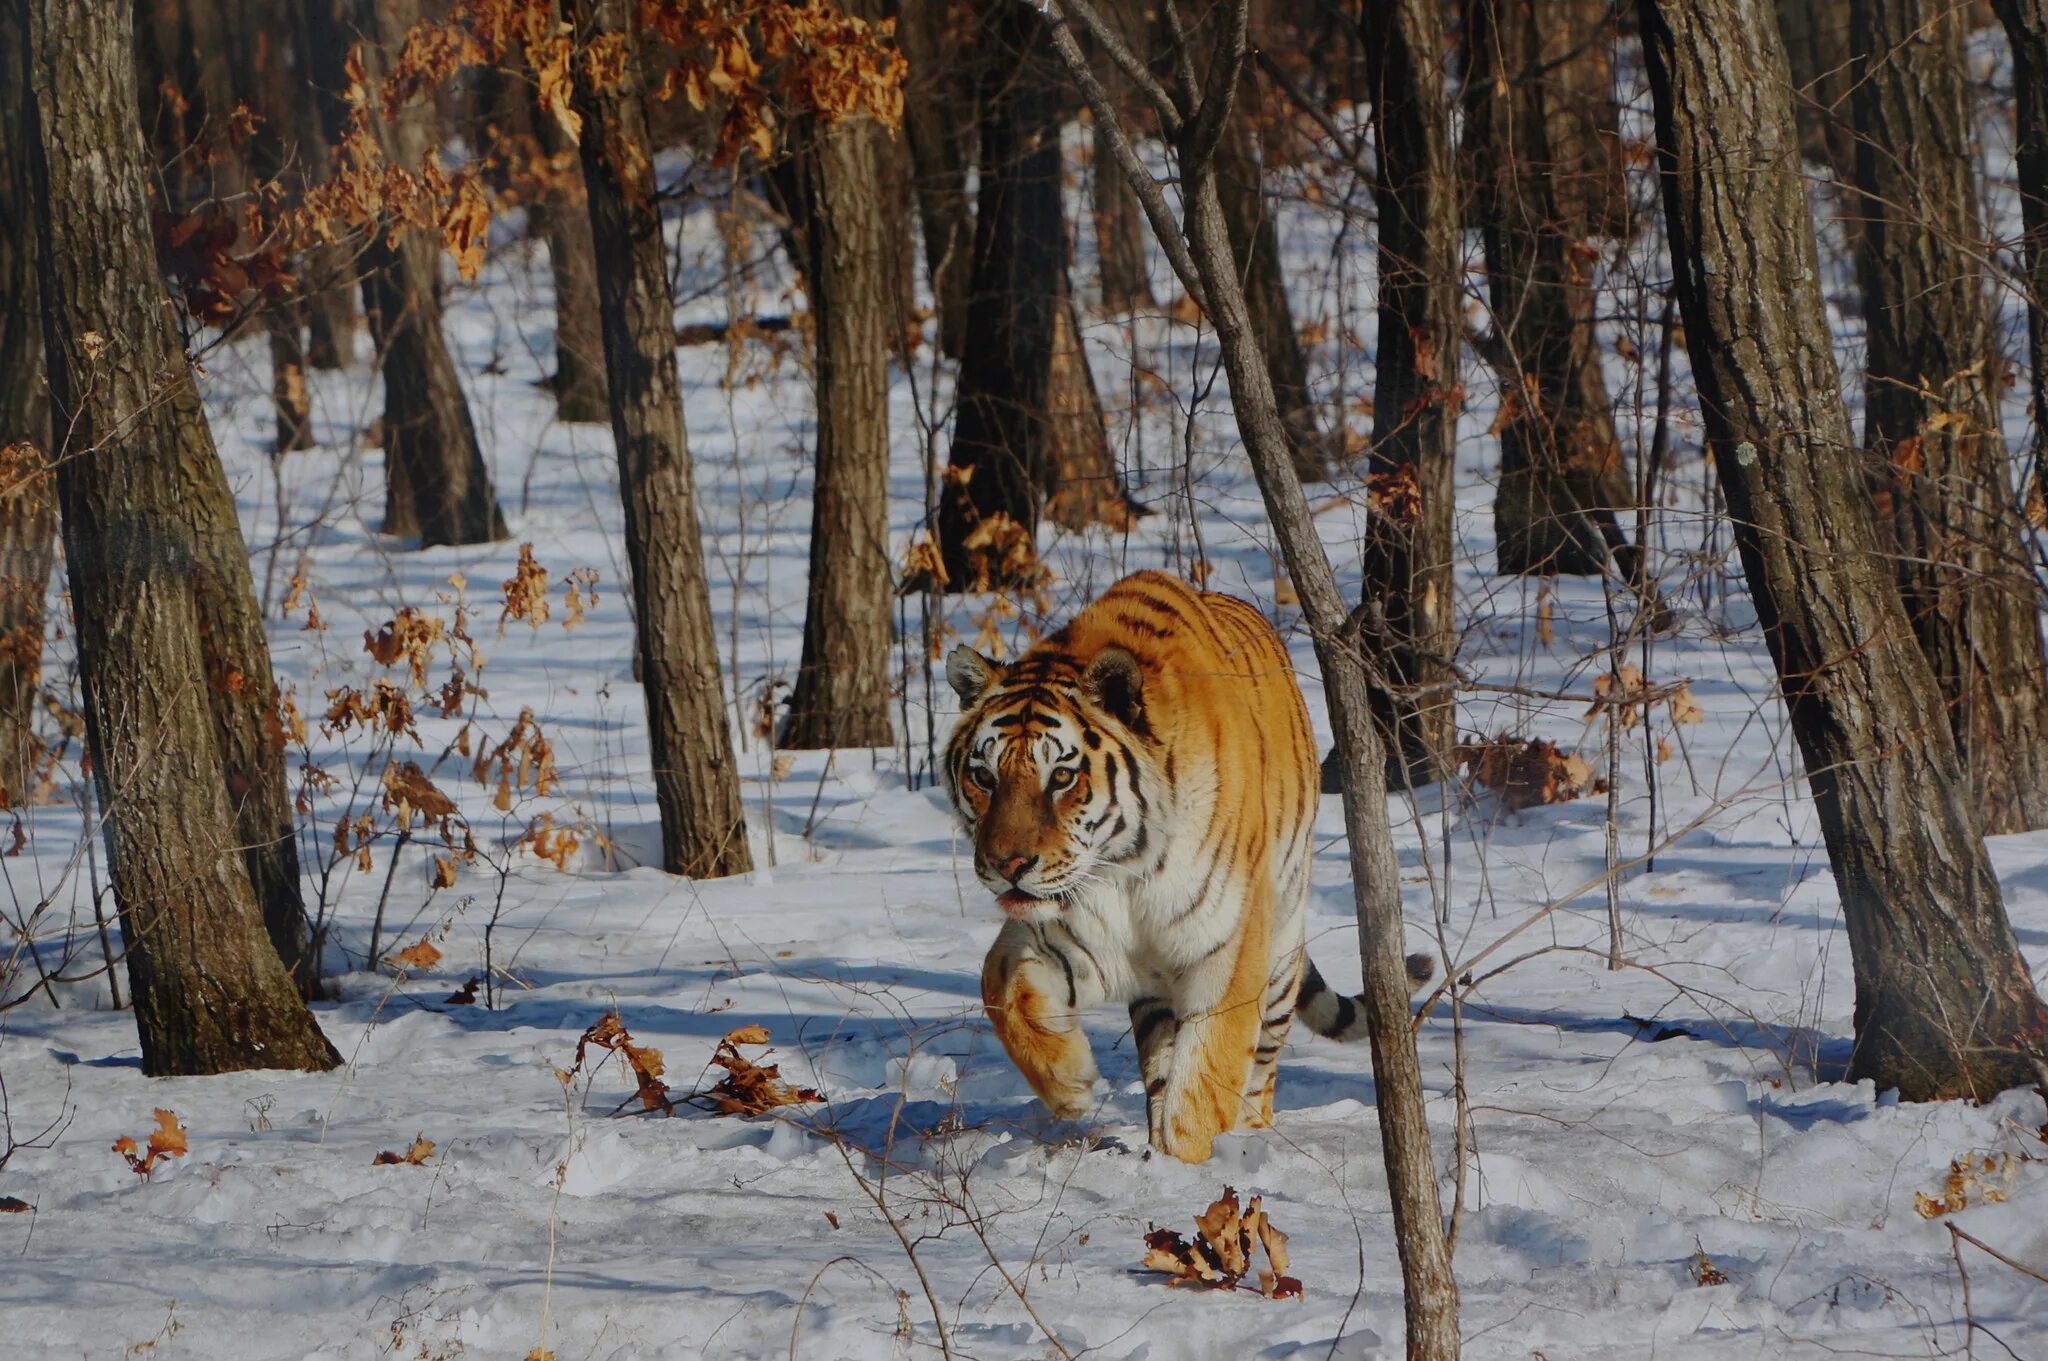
(1660, 1163)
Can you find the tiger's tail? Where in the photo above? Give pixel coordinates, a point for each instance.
(1333, 1015)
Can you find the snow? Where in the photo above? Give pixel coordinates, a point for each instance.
(1628, 1128)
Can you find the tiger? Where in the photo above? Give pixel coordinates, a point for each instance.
(1141, 789)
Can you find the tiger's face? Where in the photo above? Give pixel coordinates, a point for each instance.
(1047, 769)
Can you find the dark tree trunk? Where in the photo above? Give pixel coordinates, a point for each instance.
(1816, 34)
(1944, 1003)
(1543, 134)
(262, 82)
(1240, 184)
(696, 781)
(1930, 400)
(28, 505)
(1405, 619)
(143, 522)
(2026, 31)
(436, 487)
(832, 194)
(1119, 235)
(578, 380)
(319, 41)
(940, 124)
(1078, 471)
(989, 503)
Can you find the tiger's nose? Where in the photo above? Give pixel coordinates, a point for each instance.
(1016, 866)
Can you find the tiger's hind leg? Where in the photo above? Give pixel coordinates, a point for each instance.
(1035, 992)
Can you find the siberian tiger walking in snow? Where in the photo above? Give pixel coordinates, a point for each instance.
(1141, 788)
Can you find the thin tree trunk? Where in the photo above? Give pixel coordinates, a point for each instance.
(436, 487)
(1119, 234)
(1944, 1003)
(28, 504)
(2026, 31)
(1078, 469)
(1405, 617)
(1544, 137)
(1203, 257)
(696, 781)
(578, 381)
(1930, 399)
(1254, 235)
(832, 194)
(939, 123)
(317, 38)
(142, 500)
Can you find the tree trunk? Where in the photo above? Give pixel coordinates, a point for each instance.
(318, 48)
(1405, 617)
(1203, 256)
(1930, 400)
(436, 487)
(1240, 183)
(1078, 471)
(832, 194)
(28, 505)
(1944, 1003)
(2026, 31)
(1543, 134)
(1119, 235)
(142, 524)
(578, 381)
(1816, 34)
(939, 123)
(696, 781)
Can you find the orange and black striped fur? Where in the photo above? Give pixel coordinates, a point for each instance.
(1141, 787)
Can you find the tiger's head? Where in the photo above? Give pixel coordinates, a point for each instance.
(1051, 769)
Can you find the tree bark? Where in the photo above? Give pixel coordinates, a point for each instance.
(436, 487)
(832, 194)
(1544, 137)
(1931, 397)
(1119, 235)
(940, 125)
(1240, 184)
(142, 493)
(318, 46)
(1944, 1003)
(1816, 34)
(2026, 31)
(1405, 617)
(1203, 257)
(578, 382)
(696, 781)
(28, 505)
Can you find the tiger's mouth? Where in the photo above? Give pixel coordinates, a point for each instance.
(1022, 905)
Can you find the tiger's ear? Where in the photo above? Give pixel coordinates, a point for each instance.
(969, 673)
(1114, 681)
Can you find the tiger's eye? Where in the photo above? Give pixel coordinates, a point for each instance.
(1061, 778)
(982, 776)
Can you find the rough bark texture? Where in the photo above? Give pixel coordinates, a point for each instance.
(1816, 34)
(436, 488)
(1543, 134)
(578, 381)
(1944, 1003)
(832, 194)
(1119, 234)
(142, 495)
(1240, 184)
(1930, 394)
(696, 781)
(317, 42)
(2026, 30)
(1027, 424)
(1405, 617)
(28, 504)
(1201, 255)
(940, 124)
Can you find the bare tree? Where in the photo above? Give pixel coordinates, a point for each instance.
(1944, 1003)
(1192, 116)
(1930, 399)
(696, 782)
(578, 381)
(832, 193)
(940, 124)
(211, 993)
(2026, 31)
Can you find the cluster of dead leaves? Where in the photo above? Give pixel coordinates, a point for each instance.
(384, 706)
(525, 758)
(223, 259)
(609, 1033)
(1972, 1179)
(1395, 495)
(750, 1088)
(166, 1141)
(1222, 1250)
(1528, 772)
(415, 1156)
(1624, 696)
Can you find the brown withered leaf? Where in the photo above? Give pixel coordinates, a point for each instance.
(464, 996)
(415, 1156)
(15, 1205)
(750, 1088)
(1222, 1252)
(1528, 772)
(422, 955)
(610, 1033)
(167, 1140)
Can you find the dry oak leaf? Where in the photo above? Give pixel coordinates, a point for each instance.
(1526, 773)
(167, 1140)
(610, 1033)
(415, 1156)
(750, 1088)
(15, 1205)
(1221, 1253)
(422, 954)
